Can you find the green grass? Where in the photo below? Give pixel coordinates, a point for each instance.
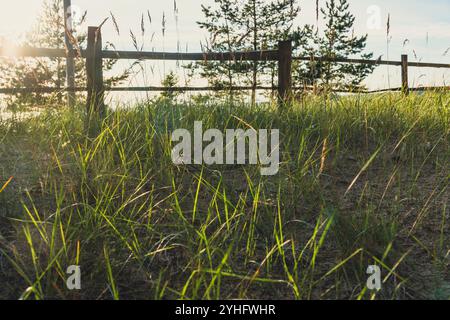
(363, 180)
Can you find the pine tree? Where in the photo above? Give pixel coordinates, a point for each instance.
(246, 25)
(169, 82)
(266, 23)
(337, 41)
(48, 72)
(221, 22)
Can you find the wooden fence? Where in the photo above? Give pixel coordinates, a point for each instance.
(94, 56)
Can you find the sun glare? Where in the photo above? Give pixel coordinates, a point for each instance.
(8, 49)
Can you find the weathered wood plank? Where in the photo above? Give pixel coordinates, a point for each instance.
(284, 71)
(405, 82)
(94, 72)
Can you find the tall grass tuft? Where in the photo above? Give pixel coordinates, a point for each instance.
(363, 180)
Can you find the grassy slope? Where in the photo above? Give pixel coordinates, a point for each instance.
(141, 227)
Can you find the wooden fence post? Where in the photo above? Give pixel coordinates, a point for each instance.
(94, 72)
(405, 84)
(70, 61)
(284, 71)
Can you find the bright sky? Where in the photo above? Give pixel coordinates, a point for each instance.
(426, 24)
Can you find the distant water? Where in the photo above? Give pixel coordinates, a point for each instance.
(8, 115)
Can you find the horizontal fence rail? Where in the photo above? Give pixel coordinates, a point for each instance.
(39, 90)
(121, 89)
(270, 55)
(24, 52)
(29, 52)
(232, 56)
(131, 89)
(373, 62)
(94, 54)
(199, 89)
